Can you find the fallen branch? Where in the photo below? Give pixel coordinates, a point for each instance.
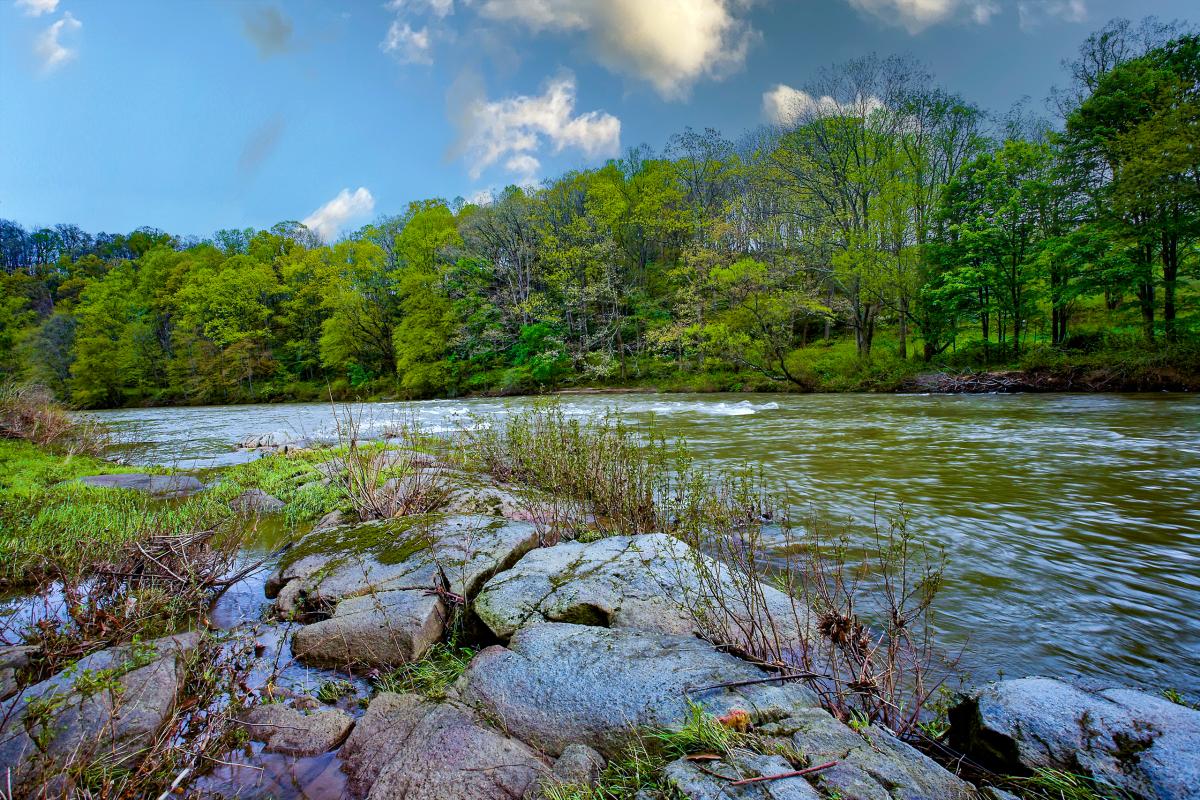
(782, 775)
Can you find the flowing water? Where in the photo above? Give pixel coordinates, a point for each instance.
(1071, 522)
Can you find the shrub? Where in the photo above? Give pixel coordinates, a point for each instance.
(32, 414)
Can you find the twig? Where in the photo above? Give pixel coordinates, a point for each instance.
(733, 684)
(782, 775)
(175, 783)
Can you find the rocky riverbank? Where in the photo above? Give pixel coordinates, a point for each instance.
(593, 673)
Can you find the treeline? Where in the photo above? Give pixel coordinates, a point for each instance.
(883, 209)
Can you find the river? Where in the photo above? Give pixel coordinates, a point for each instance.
(1071, 522)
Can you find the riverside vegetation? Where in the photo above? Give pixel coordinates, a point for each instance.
(586, 616)
(955, 243)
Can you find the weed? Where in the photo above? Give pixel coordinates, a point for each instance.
(432, 675)
(1053, 784)
(333, 690)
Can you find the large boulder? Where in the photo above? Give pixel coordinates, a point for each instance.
(558, 684)
(651, 582)
(383, 587)
(1139, 743)
(406, 748)
(106, 708)
(872, 764)
(290, 731)
(165, 486)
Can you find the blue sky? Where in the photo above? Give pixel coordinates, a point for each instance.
(192, 116)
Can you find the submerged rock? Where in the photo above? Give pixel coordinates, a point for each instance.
(154, 485)
(559, 684)
(107, 707)
(384, 586)
(290, 731)
(411, 749)
(256, 501)
(650, 582)
(1139, 743)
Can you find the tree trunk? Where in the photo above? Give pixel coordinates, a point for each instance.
(903, 328)
(1170, 265)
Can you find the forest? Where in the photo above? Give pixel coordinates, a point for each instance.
(885, 228)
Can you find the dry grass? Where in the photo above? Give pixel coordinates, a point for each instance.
(32, 414)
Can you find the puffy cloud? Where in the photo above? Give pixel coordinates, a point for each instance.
(784, 105)
(670, 43)
(269, 29)
(330, 218)
(525, 166)
(49, 46)
(408, 45)
(35, 8)
(917, 15)
(516, 127)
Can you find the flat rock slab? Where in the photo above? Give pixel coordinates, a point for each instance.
(559, 684)
(872, 764)
(406, 748)
(154, 485)
(108, 705)
(1142, 744)
(290, 731)
(646, 582)
(689, 780)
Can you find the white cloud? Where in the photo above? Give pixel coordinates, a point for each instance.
(670, 43)
(408, 45)
(483, 197)
(330, 218)
(35, 8)
(516, 127)
(784, 105)
(1032, 13)
(917, 15)
(49, 46)
(524, 166)
(439, 8)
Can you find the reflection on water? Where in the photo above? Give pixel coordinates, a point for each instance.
(1071, 522)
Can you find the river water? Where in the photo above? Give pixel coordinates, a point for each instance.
(1071, 522)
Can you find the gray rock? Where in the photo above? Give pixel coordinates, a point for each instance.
(871, 764)
(410, 749)
(272, 440)
(578, 764)
(690, 781)
(651, 582)
(559, 684)
(379, 737)
(109, 704)
(13, 659)
(154, 485)
(374, 583)
(450, 756)
(1137, 742)
(290, 731)
(374, 630)
(256, 501)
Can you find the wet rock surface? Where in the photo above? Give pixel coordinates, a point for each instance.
(1142, 744)
(109, 704)
(291, 731)
(155, 485)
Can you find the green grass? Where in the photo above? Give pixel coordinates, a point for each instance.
(431, 676)
(1053, 784)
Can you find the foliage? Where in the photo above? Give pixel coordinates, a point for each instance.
(893, 215)
(431, 675)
